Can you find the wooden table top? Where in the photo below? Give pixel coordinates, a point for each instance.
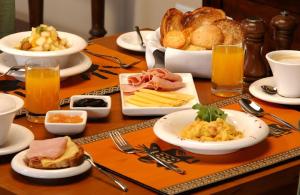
(268, 180)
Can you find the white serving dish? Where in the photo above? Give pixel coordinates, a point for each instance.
(254, 129)
(132, 110)
(78, 63)
(9, 42)
(198, 63)
(66, 128)
(92, 112)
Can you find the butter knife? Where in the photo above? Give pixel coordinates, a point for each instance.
(165, 164)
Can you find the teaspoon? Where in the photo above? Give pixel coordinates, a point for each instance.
(253, 108)
(269, 89)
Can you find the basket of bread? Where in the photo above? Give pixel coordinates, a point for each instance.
(187, 39)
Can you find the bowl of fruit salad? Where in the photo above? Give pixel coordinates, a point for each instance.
(42, 42)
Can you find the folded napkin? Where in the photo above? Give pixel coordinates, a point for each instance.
(196, 62)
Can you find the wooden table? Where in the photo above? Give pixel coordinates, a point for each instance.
(281, 178)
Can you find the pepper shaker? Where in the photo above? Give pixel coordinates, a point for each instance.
(283, 26)
(254, 31)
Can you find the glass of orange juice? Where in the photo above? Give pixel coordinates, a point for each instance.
(227, 70)
(42, 84)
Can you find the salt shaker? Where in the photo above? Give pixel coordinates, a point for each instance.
(254, 66)
(283, 26)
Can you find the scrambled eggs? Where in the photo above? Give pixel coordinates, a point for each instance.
(218, 130)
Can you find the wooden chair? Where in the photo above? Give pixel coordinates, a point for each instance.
(36, 9)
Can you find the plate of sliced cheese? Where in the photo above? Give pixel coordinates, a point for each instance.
(165, 97)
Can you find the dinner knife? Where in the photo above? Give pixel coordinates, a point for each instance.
(165, 164)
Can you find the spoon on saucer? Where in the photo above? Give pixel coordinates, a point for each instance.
(253, 108)
(269, 89)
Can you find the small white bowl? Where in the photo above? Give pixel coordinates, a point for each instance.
(66, 128)
(93, 112)
(9, 42)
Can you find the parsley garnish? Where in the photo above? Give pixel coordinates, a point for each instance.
(209, 113)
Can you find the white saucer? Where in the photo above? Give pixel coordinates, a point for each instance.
(20, 167)
(131, 40)
(255, 90)
(78, 63)
(19, 137)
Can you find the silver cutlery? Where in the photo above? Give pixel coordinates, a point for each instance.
(121, 143)
(12, 68)
(137, 29)
(114, 179)
(167, 165)
(253, 108)
(112, 58)
(124, 146)
(269, 89)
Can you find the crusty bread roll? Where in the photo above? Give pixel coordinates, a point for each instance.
(231, 30)
(206, 36)
(174, 39)
(202, 16)
(72, 156)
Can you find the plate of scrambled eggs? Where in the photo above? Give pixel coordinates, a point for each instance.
(227, 134)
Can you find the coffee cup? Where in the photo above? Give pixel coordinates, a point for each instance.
(285, 66)
(9, 105)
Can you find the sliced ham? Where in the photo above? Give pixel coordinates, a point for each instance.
(49, 148)
(164, 85)
(165, 74)
(156, 78)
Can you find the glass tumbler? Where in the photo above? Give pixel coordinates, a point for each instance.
(42, 84)
(227, 70)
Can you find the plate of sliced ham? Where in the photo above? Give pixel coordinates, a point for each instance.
(156, 91)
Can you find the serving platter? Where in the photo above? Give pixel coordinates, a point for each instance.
(132, 110)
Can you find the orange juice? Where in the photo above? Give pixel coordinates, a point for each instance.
(42, 90)
(227, 70)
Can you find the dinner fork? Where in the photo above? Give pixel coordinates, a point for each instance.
(113, 58)
(121, 143)
(12, 68)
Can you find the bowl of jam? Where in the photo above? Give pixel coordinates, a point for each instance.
(65, 122)
(97, 106)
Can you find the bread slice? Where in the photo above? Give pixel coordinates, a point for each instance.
(171, 21)
(231, 30)
(73, 156)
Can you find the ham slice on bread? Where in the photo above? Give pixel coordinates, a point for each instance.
(54, 153)
(157, 78)
(49, 148)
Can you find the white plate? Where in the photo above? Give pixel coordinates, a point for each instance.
(78, 63)
(255, 90)
(254, 129)
(19, 137)
(20, 167)
(132, 110)
(131, 40)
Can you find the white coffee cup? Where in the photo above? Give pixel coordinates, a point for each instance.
(9, 105)
(285, 66)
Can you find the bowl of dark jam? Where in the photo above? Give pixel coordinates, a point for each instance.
(97, 106)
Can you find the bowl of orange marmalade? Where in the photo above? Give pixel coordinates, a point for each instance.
(65, 122)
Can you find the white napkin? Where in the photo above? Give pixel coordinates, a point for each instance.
(196, 62)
